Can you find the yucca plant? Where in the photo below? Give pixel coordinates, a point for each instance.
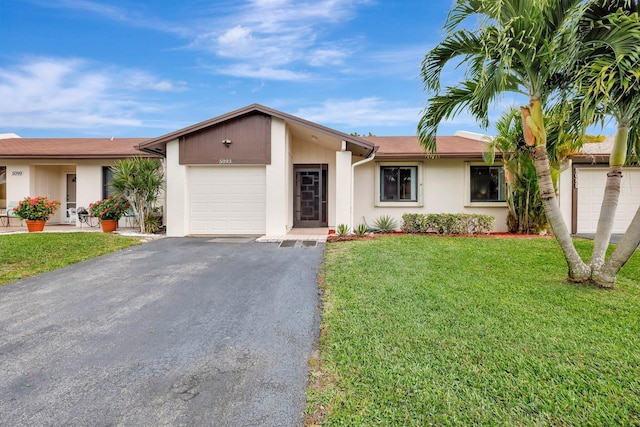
(385, 223)
(342, 230)
(361, 230)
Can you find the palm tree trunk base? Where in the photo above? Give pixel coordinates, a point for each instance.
(604, 278)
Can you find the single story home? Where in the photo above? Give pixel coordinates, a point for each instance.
(74, 171)
(259, 171)
(583, 185)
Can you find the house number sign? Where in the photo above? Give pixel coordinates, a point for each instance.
(225, 161)
(16, 173)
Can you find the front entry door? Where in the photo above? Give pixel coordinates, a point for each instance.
(310, 201)
(71, 195)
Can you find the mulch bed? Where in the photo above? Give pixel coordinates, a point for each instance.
(370, 236)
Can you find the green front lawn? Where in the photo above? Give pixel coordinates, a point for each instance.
(473, 331)
(25, 255)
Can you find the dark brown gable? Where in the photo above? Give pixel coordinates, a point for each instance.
(244, 140)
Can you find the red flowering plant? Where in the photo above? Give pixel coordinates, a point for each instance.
(113, 207)
(36, 208)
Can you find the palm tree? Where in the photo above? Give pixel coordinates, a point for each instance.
(526, 213)
(616, 78)
(139, 180)
(525, 47)
(515, 50)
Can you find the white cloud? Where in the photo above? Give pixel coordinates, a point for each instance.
(277, 34)
(75, 94)
(360, 112)
(235, 42)
(260, 72)
(111, 12)
(141, 80)
(327, 56)
(140, 18)
(250, 34)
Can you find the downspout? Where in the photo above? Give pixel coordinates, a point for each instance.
(353, 175)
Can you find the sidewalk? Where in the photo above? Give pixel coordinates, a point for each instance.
(296, 234)
(71, 228)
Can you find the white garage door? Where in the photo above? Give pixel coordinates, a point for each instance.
(591, 183)
(227, 200)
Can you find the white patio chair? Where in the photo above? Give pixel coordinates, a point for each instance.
(130, 218)
(72, 216)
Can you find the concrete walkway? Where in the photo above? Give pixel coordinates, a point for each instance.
(615, 238)
(297, 234)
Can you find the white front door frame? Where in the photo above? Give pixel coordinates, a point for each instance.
(70, 194)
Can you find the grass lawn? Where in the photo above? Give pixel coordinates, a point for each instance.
(423, 330)
(25, 255)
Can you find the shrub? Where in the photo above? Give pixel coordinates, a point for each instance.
(342, 230)
(385, 224)
(36, 208)
(447, 223)
(361, 230)
(113, 207)
(152, 223)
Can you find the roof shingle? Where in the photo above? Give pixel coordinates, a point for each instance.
(71, 148)
(394, 147)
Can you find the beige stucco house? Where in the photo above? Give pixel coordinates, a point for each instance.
(582, 189)
(74, 171)
(259, 171)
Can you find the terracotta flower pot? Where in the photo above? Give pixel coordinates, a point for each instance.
(35, 224)
(108, 225)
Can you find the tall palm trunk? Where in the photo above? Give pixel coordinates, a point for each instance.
(535, 134)
(606, 275)
(610, 199)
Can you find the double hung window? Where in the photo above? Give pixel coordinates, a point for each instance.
(486, 184)
(398, 184)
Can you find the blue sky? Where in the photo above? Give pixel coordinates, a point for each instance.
(90, 68)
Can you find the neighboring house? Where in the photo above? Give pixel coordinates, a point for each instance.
(259, 171)
(74, 171)
(584, 181)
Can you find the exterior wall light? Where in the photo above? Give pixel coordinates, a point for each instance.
(226, 142)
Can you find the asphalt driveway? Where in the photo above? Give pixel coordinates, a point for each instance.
(179, 331)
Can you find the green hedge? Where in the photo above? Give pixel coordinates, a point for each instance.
(447, 223)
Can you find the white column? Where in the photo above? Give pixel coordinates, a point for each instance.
(177, 194)
(276, 181)
(343, 188)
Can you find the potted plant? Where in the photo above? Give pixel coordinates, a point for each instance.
(109, 211)
(36, 211)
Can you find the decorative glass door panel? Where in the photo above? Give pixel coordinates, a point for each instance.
(310, 201)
